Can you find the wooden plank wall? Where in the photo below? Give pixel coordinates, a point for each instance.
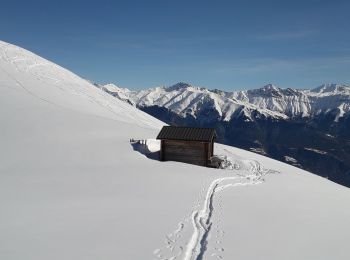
(188, 152)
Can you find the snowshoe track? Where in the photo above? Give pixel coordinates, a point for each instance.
(251, 173)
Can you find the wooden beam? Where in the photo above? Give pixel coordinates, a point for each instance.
(161, 155)
(206, 154)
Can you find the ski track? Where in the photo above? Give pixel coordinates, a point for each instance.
(201, 219)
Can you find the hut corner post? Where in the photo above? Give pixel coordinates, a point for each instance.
(161, 153)
(206, 154)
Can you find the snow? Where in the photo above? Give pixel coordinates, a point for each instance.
(258, 150)
(290, 159)
(270, 101)
(121, 93)
(295, 102)
(315, 150)
(73, 187)
(182, 98)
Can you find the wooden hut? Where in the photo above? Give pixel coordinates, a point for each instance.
(187, 144)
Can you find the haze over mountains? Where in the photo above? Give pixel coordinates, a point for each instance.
(305, 128)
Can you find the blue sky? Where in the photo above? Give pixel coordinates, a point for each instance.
(216, 44)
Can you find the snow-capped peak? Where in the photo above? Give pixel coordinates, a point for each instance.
(297, 102)
(187, 100)
(182, 86)
(178, 86)
(113, 87)
(118, 92)
(332, 89)
(270, 87)
(270, 100)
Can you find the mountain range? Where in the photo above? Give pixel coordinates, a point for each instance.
(307, 128)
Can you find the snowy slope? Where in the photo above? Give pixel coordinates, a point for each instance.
(72, 187)
(59, 87)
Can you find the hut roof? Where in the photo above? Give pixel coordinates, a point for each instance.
(187, 133)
